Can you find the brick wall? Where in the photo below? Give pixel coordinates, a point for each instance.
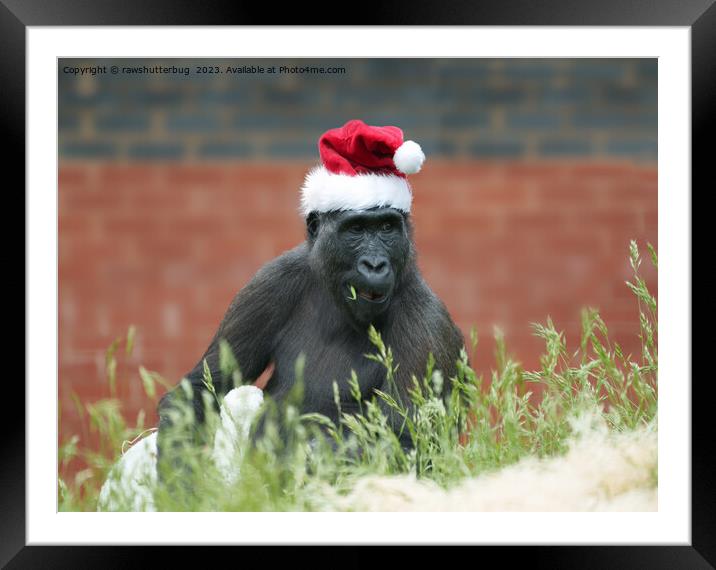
(479, 108)
(173, 191)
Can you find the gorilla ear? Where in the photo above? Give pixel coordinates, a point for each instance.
(312, 224)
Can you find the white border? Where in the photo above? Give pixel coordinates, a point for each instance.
(670, 525)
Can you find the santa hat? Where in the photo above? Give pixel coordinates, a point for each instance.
(363, 167)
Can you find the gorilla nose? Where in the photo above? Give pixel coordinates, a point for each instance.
(373, 267)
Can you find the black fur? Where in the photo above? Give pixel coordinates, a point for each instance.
(301, 302)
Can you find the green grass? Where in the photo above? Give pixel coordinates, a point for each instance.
(481, 426)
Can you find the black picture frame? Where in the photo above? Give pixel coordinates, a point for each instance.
(699, 15)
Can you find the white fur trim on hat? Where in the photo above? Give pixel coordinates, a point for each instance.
(409, 157)
(324, 191)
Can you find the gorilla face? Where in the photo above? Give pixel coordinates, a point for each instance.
(360, 257)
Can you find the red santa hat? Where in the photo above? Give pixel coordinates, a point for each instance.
(363, 167)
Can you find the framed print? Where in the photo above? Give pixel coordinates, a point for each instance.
(534, 171)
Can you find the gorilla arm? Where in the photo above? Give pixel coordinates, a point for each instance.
(251, 324)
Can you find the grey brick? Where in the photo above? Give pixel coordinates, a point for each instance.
(293, 149)
(648, 68)
(158, 97)
(527, 69)
(614, 94)
(122, 121)
(226, 150)
(468, 119)
(471, 69)
(390, 68)
(150, 151)
(179, 122)
(231, 97)
(320, 123)
(88, 149)
(496, 149)
(437, 147)
(647, 147)
(599, 69)
(293, 96)
(455, 94)
(68, 121)
(500, 95)
(408, 94)
(71, 98)
(565, 147)
(296, 121)
(615, 119)
(404, 120)
(533, 120)
(564, 95)
(249, 120)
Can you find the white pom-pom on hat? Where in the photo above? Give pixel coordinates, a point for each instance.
(409, 157)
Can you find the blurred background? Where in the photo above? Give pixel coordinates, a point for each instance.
(174, 189)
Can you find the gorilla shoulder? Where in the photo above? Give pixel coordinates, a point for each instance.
(272, 292)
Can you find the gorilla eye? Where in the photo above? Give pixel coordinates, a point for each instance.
(313, 226)
(357, 228)
(386, 227)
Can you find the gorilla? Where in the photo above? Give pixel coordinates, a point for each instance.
(356, 268)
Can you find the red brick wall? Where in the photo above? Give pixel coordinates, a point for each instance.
(165, 246)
